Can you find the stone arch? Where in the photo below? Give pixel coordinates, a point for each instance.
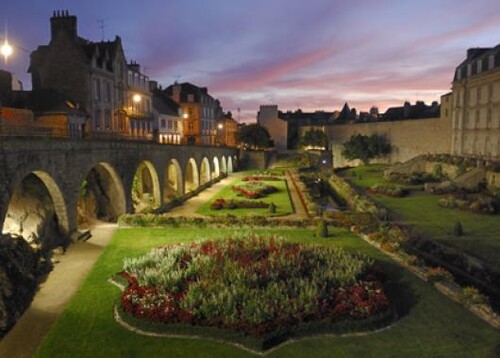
(223, 165)
(146, 187)
(37, 209)
(173, 181)
(192, 179)
(216, 171)
(229, 164)
(101, 196)
(204, 171)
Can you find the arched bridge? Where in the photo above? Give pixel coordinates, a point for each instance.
(49, 187)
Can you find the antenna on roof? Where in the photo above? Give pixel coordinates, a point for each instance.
(177, 78)
(102, 26)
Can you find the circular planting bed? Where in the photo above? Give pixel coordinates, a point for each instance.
(253, 290)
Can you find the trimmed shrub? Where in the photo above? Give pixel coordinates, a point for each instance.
(458, 230)
(322, 229)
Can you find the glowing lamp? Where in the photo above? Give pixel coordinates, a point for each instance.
(136, 98)
(6, 50)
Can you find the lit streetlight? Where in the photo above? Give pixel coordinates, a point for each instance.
(6, 50)
(136, 98)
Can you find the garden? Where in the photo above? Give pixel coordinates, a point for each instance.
(443, 328)
(256, 193)
(262, 286)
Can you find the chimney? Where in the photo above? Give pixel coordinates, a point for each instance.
(63, 22)
(134, 66)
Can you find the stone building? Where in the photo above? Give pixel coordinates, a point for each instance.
(227, 128)
(200, 112)
(138, 104)
(277, 127)
(168, 117)
(92, 74)
(476, 104)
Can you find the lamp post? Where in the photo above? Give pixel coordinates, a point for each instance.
(6, 50)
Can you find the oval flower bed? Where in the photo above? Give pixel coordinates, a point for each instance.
(262, 288)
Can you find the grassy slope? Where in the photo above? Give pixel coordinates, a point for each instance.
(434, 326)
(481, 237)
(281, 199)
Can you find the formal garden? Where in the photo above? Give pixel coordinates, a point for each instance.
(257, 193)
(245, 280)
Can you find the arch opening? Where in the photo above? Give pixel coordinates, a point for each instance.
(101, 196)
(216, 171)
(146, 188)
(37, 212)
(223, 165)
(204, 171)
(229, 164)
(192, 181)
(173, 187)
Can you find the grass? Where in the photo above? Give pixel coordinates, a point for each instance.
(433, 326)
(481, 232)
(281, 199)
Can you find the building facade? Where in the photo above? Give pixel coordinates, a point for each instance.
(476, 104)
(96, 77)
(200, 112)
(168, 118)
(227, 128)
(268, 117)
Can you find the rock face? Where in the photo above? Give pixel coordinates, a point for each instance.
(31, 213)
(21, 267)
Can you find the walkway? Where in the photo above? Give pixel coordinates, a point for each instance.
(54, 294)
(189, 207)
(67, 276)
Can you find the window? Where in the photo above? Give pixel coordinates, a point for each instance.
(107, 119)
(97, 89)
(163, 122)
(491, 62)
(191, 126)
(190, 98)
(108, 92)
(459, 74)
(97, 119)
(469, 69)
(479, 66)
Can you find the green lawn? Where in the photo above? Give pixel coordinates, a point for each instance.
(433, 326)
(482, 232)
(281, 199)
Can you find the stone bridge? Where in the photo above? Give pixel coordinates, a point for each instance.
(49, 187)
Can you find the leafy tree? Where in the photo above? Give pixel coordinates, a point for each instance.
(315, 138)
(366, 147)
(254, 135)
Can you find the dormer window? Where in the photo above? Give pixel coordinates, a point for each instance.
(491, 62)
(459, 74)
(479, 66)
(469, 69)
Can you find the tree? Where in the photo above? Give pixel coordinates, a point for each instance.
(255, 136)
(366, 147)
(315, 138)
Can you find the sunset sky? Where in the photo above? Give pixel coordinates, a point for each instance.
(313, 55)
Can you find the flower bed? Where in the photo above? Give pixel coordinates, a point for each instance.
(254, 189)
(477, 203)
(219, 204)
(388, 190)
(275, 286)
(260, 178)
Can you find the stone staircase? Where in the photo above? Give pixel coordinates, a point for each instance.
(471, 179)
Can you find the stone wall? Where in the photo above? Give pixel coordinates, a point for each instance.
(409, 138)
(62, 165)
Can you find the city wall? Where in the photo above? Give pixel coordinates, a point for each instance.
(408, 138)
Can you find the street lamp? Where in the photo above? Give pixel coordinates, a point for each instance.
(136, 98)
(6, 50)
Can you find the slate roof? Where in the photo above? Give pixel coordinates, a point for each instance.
(474, 56)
